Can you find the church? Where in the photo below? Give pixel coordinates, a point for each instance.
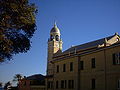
(91, 66)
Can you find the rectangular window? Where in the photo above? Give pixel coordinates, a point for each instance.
(57, 84)
(64, 67)
(63, 84)
(57, 69)
(71, 66)
(116, 58)
(118, 61)
(50, 84)
(93, 83)
(81, 65)
(113, 56)
(118, 84)
(70, 84)
(93, 62)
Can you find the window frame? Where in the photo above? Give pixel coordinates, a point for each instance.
(57, 84)
(116, 58)
(57, 69)
(63, 84)
(93, 83)
(81, 65)
(64, 67)
(93, 63)
(50, 84)
(71, 84)
(71, 66)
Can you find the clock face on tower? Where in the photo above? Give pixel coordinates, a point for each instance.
(56, 45)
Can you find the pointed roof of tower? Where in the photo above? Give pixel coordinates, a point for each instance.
(55, 29)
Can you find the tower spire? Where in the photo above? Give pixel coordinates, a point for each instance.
(55, 24)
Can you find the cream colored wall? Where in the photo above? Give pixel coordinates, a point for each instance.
(103, 60)
(105, 73)
(113, 71)
(68, 75)
(88, 73)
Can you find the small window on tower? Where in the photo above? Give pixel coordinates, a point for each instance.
(51, 37)
(57, 38)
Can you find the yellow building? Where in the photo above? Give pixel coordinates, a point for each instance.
(91, 66)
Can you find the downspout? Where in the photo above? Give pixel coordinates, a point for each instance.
(78, 74)
(53, 74)
(105, 70)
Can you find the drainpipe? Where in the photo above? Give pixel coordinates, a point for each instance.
(78, 74)
(53, 74)
(105, 70)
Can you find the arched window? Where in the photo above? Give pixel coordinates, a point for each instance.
(57, 38)
(51, 37)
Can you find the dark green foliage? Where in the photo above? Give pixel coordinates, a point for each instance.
(8, 84)
(1, 84)
(17, 26)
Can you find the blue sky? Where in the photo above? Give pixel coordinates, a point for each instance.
(79, 21)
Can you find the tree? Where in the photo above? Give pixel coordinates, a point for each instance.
(7, 85)
(17, 78)
(17, 26)
(1, 84)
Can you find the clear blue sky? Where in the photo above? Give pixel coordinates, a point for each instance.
(79, 21)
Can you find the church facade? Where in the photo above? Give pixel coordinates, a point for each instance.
(91, 66)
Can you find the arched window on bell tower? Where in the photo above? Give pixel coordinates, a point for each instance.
(57, 38)
(51, 37)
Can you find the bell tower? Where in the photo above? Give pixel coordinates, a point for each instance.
(54, 47)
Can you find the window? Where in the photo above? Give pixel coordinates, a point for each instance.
(64, 67)
(118, 84)
(81, 65)
(71, 66)
(57, 69)
(70, 84)
(116, 58)
(57, 38)
(93, 62)
(57, 84)
(51, 37)
(93, 83)
(50, 84)
(63, 84)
